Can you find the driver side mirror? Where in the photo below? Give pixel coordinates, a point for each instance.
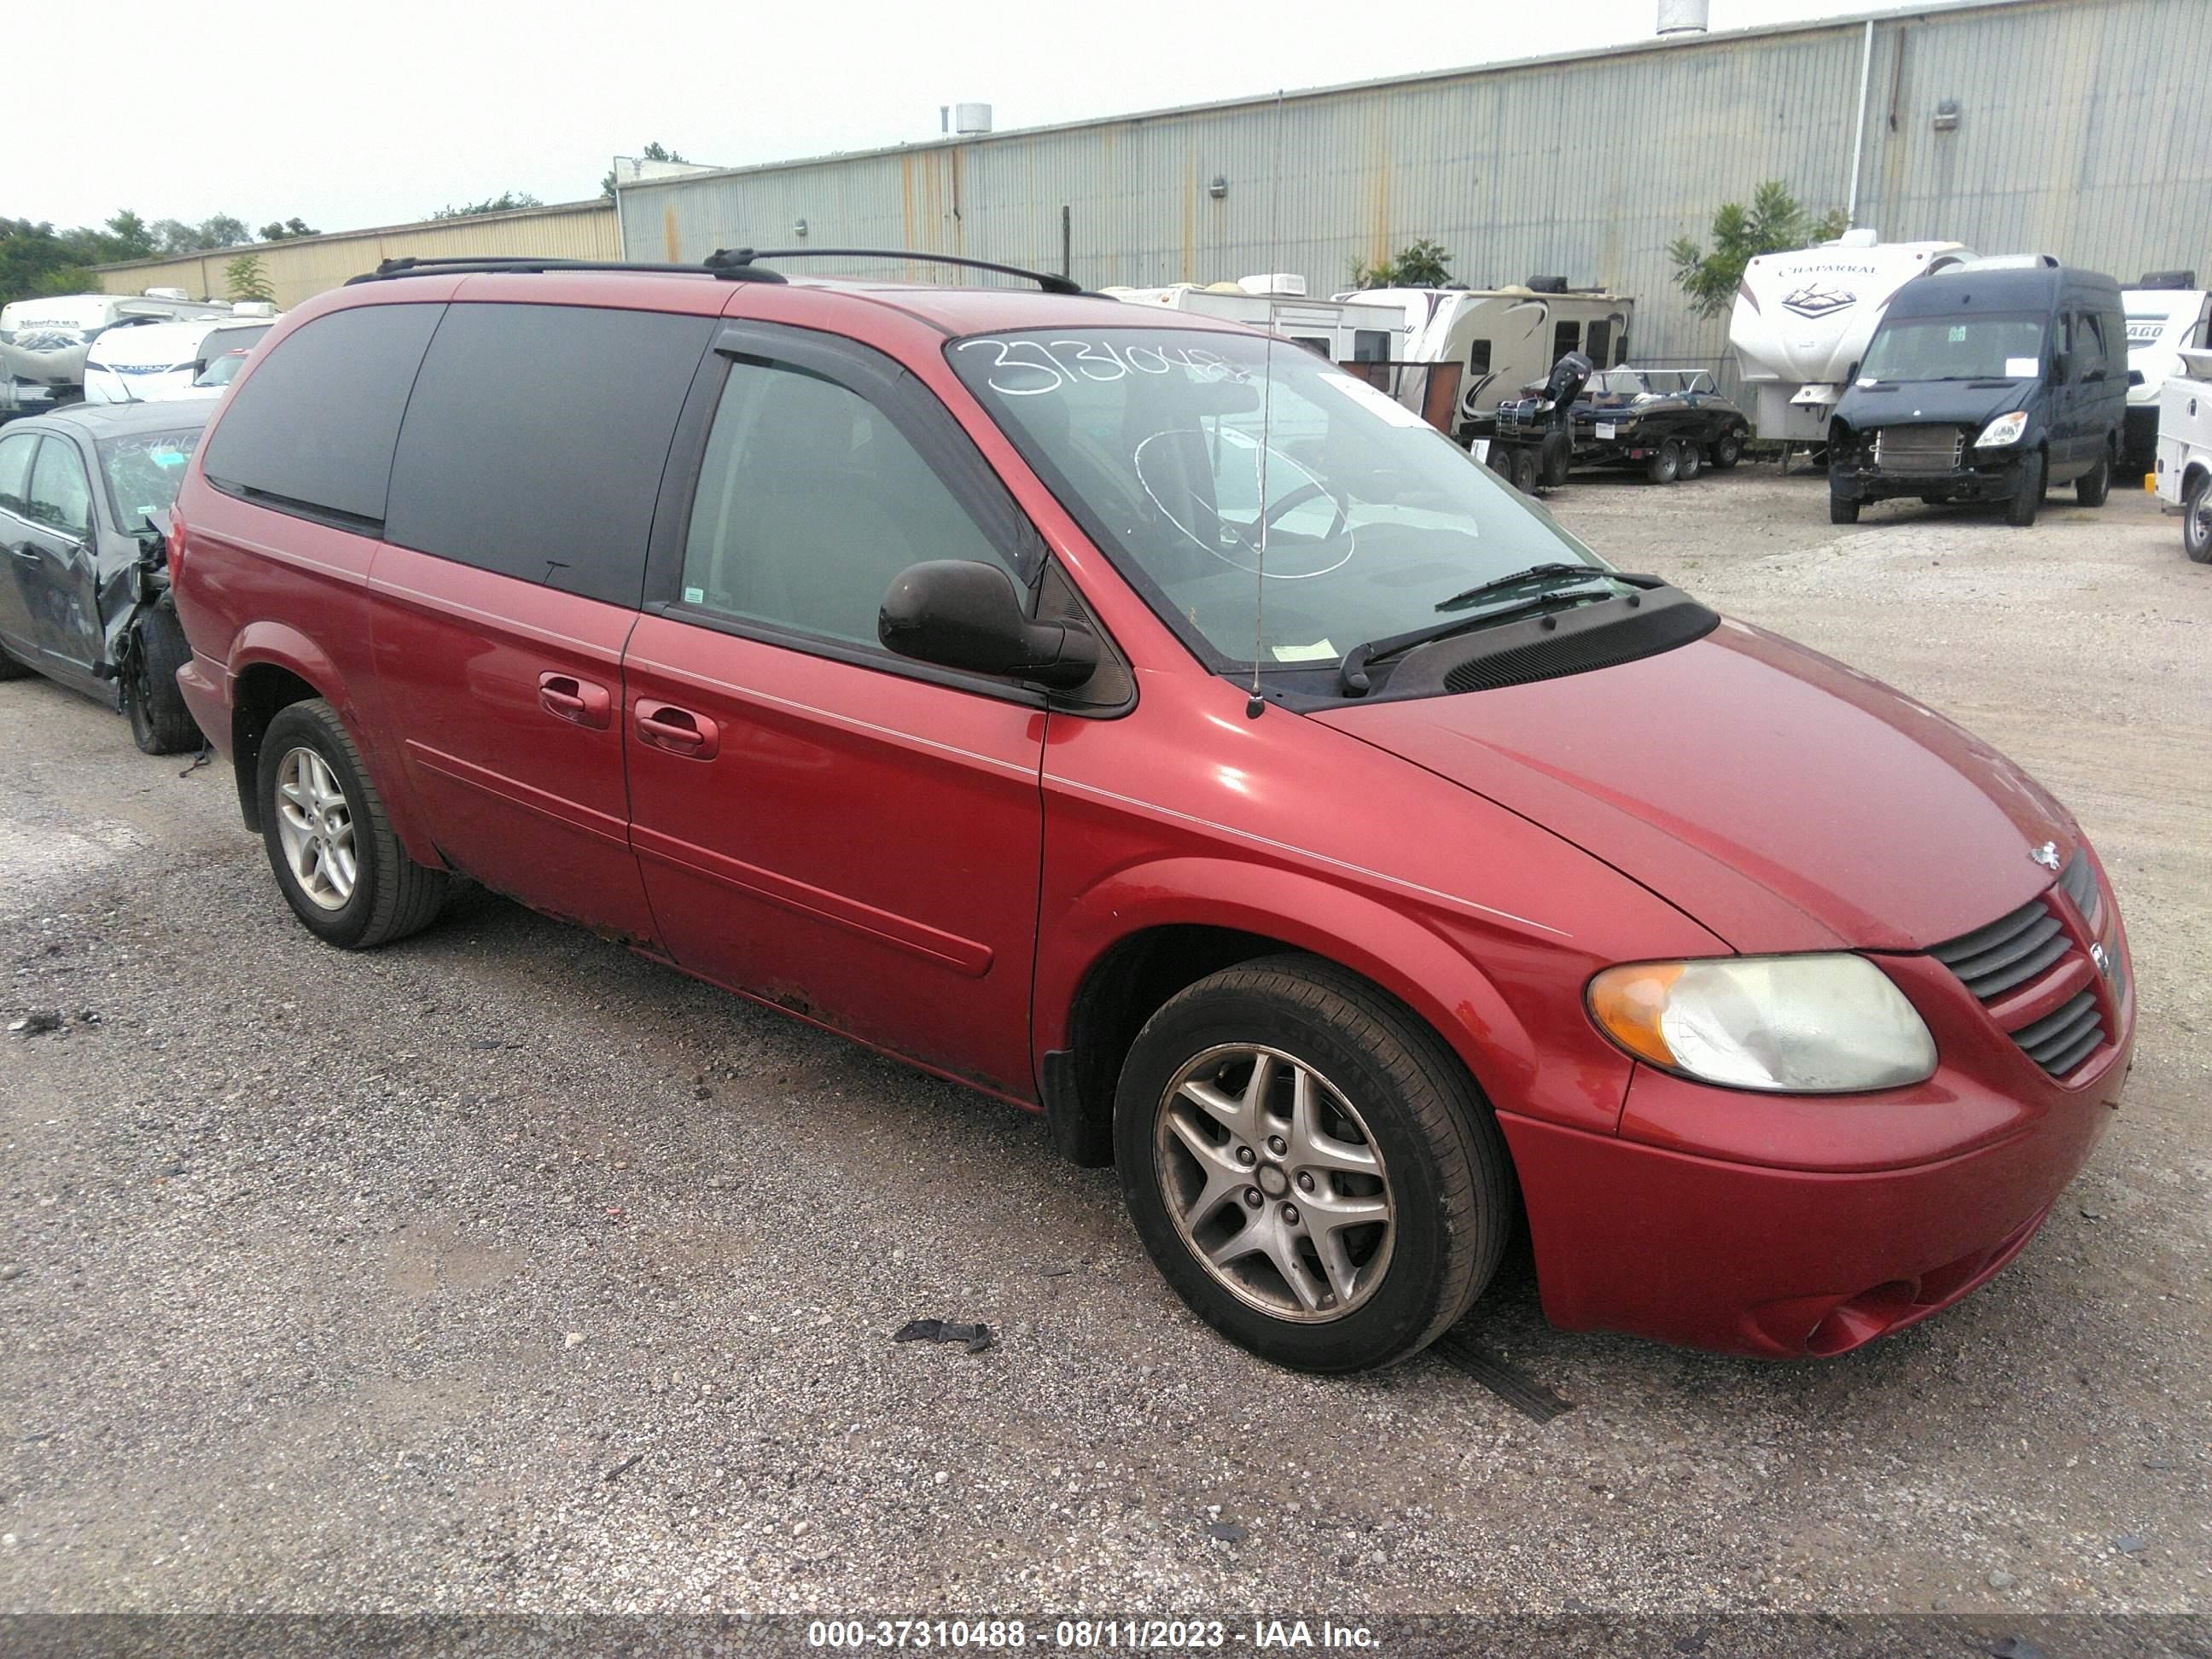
(961, 613)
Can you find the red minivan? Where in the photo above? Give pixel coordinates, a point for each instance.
(1150, 724)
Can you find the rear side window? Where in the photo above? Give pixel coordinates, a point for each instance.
(536, 438)
(314, 430)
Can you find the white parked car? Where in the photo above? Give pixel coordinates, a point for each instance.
(2184, 463)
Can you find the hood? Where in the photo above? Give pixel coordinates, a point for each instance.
(1779, 799)
(1939, 403)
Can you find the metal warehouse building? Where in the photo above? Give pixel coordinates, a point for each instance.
(2076, 127)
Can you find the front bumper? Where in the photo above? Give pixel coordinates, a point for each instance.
(1992, 480)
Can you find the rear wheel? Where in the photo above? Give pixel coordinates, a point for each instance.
(1842, 509)
(1665, 464)
(1308, 1166)
(2092, 486)
(340, 868)
(1727, 449)
(1558, 457)
(2026, 491)
(2197, 518)
(161, 724)
(1524, 471)
(1693, 459)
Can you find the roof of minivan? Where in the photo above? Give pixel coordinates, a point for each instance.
(2032, 287)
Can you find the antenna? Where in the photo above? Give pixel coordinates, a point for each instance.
(1255, 706)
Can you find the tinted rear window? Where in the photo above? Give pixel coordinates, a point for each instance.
(535, 442)
(315, 426)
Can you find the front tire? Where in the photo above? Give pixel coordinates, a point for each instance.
(1309, 1167)
(1666, 463)
(2026, 492)
(1842, 509)
(2092, 486)
(1690, 460)
(329, 843)
(12, 669)
(1524, 471)
(2197, 518)
(161, 724)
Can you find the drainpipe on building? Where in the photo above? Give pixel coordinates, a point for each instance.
(1858, 137)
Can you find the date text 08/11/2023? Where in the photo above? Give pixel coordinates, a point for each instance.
(1149, 1635)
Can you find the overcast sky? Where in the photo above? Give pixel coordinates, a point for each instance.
(353, 116)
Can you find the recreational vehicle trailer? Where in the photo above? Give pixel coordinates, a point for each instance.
(43, 341)
(1503, 340)
(1278, 302)
(1803, 320)
(2167, 314)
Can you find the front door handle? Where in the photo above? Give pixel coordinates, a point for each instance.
(568, 698)
(679, 731)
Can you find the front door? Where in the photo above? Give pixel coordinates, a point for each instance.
(822, 824)
(19, 549)
(59, 583)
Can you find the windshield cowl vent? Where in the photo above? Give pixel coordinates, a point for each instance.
(1577, 642)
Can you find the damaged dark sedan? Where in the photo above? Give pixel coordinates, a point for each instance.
(85, 496)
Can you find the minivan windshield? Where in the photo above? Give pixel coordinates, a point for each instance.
(1163, 443)
(1988, 346)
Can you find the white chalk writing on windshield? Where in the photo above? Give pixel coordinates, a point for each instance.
(1033, 367)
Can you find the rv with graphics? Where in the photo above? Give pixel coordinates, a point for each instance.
(43, 341)
(2167, 314)
(1278, 302)
(1503, 340)
(1803, 320)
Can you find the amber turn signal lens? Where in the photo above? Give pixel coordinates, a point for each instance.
(1627, 1003)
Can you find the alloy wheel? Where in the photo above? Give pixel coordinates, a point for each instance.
(314, 823)
(1275, 1183)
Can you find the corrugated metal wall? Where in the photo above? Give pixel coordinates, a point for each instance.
(296, 269)
(2082, 132)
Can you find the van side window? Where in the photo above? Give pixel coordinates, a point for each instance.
(15, 471)
(61, 494)
(810, 501)
(313, 429)
(2089, 347)
(536, 438)
(1565, 339)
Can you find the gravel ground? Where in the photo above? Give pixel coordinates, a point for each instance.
(503, 1270)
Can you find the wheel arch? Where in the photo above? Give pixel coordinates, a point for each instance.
(1128, 946)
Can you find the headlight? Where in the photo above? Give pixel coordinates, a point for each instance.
(1815, 1025)
(2005, 429)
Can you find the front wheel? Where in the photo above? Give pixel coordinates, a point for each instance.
(2026, 491)
(1309, 1167)
(2092, 486)
(1842, 509)
(2197, 518)
(340, 866)
(1691, 460)
(1524, 471)
(1666, 463)
(161, 724)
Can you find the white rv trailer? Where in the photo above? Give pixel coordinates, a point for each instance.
(1503, 339)
(43, 341)
(1803, 320)
(2163, 322)
(1279, 301)
(2183, 460)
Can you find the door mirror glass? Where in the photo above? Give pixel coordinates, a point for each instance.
(959, 613)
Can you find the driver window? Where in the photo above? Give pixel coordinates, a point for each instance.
(810, 501)
(61, 494)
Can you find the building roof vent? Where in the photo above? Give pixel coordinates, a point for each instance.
(1684, 16)
(965, 120)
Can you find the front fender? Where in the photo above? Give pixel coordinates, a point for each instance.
(1498, 1019)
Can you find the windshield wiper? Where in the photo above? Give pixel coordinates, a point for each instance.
(1546, 571)
(1352, 671)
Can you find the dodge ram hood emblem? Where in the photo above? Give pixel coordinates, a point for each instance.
(2046, 855)
(1817, 300)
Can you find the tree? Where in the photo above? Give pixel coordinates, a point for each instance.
(35, 260)
(652, 152)
(247, 280)
(1776, 223)
(132, 238)
(1423, 264)
(281, 230)
(175, 236)
(506, 202)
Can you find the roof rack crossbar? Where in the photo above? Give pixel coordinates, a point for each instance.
(727, 259)
(477, 263)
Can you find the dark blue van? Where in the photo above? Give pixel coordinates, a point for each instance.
(1989, 381)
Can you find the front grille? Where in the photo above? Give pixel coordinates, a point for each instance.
(2006, 963)
(1918, 448)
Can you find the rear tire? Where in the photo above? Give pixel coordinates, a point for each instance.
(2026, 492)
(338, 864)
(2197, 518)
(1556, 457)
(2092, 486)
(1361, 1107)
(1693, 460)
(1524, 471)
(1728, 450)
(1842, 509)
(161, 724)
(1666, 464)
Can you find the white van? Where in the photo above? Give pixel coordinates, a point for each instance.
(43, 341)
(2166, 315)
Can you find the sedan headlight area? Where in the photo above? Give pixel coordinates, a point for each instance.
(2005, 429)
(1810, 1025)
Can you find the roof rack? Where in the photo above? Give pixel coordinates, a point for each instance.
(468, 264)
(730, 261)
